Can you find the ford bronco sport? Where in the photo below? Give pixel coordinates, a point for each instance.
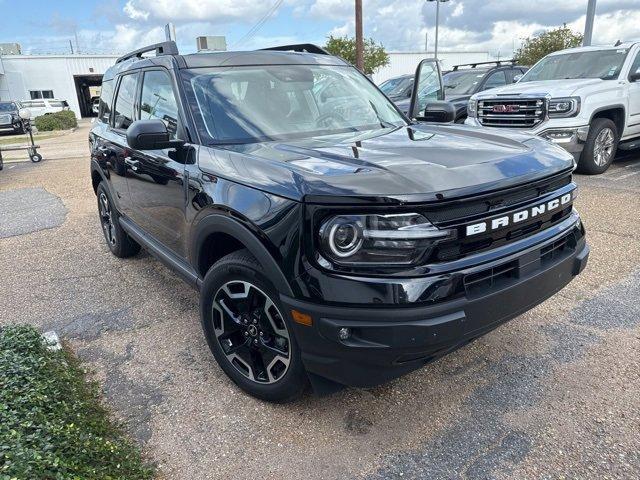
(333, 240)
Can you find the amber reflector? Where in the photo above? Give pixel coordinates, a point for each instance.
(301, 318)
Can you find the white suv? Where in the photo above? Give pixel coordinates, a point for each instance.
(584, 99)
(44, 106)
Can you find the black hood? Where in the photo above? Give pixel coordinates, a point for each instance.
(417, 163)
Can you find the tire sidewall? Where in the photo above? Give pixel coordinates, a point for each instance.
(115, 249)
(293, 382)
(587, 163)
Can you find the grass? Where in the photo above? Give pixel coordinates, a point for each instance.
(53, 425)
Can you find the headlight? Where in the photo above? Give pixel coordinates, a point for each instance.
(378, 239)
(472, 107)
(564, 107)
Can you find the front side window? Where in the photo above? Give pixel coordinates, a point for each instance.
(603, 64)
(397, 86)
(106, 97)
(635, 66)
(8, 107)
(158, 100)
(124, 112)
(259, 103)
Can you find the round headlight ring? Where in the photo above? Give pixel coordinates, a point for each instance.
(345, 239)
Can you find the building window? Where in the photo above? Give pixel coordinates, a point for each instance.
(37, 94)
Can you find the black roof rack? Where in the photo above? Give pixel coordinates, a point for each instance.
(474, 65)
(164, 48)
(300, 47)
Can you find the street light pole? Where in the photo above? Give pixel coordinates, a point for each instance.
(588, 24)
(437, 22)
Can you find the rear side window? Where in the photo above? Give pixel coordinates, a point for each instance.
(124, 111)
(106, 97)
(158, 100)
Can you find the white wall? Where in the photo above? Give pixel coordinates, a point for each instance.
(401, 63)
(49, 72)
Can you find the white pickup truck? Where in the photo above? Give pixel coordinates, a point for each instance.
(584, 99)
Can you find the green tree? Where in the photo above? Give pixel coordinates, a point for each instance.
(345, 47)
(534, 48)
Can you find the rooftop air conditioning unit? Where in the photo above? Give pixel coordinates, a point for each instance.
(211, 44)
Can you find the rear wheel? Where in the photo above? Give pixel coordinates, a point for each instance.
(600, 148)
(118, 241)
(247, 331)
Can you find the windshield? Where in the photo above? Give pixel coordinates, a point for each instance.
(604, 64)
(397, 86)
(258, 103)
(462, 82)
(8, 107)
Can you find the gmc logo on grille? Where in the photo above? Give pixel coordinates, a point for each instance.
(506, 108)
(519, 216)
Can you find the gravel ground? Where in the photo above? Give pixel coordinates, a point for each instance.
(552, 394)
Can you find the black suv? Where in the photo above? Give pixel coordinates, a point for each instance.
(461, 83)
(332, 239)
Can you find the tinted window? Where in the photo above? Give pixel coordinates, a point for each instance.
(496, 79)
(58, 104)
(106, 97)
(123, 111)
(158, 100)
(462, 82)
(8, 107)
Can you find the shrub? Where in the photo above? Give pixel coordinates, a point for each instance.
(56, 121)
(52, 424)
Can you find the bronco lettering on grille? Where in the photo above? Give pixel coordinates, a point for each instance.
(519, 216)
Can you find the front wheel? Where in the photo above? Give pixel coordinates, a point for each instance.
(247, 330)
(600, 148)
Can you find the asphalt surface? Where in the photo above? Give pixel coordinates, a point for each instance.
(552, 394)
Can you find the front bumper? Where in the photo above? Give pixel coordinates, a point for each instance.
(571, 138)
(388, 341)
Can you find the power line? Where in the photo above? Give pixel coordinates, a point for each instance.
(253, 30)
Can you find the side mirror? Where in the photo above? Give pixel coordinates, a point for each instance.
(439, 112)
(516, 78)
(427, 87)
(150, 135)
(24, 113)
(634, 77)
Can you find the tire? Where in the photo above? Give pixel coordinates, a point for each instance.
(461, 120)
(591, 162)
(36, 157)
(18, 131)
(118, 241)
(222, 316)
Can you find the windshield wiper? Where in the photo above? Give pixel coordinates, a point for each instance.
(383, 123)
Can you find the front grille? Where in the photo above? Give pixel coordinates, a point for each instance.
(487, 204)
(5, 119)
(511, 112)
(457, 215)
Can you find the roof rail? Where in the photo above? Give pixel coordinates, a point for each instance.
(474, 65)
(164, 48)
(300, 47)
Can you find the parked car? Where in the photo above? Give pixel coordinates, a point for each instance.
(95, 105)
(398, 88)
(45, 106)
(10, 118)
(331, 240)
(461, 83)
(585, 99)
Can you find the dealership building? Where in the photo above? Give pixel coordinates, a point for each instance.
(74, 78)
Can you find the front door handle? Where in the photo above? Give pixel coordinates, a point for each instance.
(132, 163)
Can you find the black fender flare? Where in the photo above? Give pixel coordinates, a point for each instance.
(217, 223)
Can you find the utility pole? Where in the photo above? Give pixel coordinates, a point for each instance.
(588, 24)
(71, 46)
(426, 42)
(359, 40)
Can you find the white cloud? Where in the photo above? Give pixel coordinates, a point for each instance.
(217, 11)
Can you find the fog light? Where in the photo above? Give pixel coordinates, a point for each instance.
(344, 333)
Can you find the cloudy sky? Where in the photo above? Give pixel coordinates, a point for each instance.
(115, 26)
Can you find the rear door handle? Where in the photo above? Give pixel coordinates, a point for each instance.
(132, 163)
